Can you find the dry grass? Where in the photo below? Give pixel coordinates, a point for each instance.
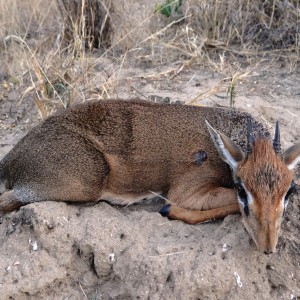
(259, 25)
(49, 51)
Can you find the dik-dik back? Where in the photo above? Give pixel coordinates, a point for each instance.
(125, 151)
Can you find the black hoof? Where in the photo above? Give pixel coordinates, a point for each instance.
(165, 210)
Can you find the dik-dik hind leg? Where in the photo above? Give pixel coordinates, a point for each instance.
(215, 204)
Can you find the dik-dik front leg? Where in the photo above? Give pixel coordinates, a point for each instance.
(198, 207)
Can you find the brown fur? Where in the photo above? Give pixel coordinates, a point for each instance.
(124, 151)
(267, 170)
(197, 216)
(117, 146)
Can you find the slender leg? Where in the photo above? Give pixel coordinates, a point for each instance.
(198, 207)
(198, 216)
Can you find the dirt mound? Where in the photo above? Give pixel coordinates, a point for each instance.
(61, 251)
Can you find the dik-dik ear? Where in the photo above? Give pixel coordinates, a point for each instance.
(291, 156)
(228, 150)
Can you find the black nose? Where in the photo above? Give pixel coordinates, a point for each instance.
(268, 252)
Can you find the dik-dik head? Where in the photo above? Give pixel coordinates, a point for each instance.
(263, 181)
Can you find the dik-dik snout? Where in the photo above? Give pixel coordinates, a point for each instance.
(264, 182)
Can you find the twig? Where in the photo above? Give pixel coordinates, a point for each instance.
(160, 196)
(83, 291)
(141, 94)
(168, 254)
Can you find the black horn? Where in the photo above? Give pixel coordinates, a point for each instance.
(250, 138)
(276, 142)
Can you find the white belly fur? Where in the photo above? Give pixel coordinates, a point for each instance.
(126, 199)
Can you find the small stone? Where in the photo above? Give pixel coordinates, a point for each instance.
(33, 245)
(112, 257)
(8, 269)
(226, 247)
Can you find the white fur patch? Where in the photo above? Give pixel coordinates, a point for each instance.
(125, 199)
(229, 159)
(249, 196)
(294, 163)
(285, 203)
(224, 153)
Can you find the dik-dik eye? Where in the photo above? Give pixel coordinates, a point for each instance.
(242, 196)
(291, 190)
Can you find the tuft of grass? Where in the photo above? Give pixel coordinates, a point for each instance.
(86, 24)
(264, 25)
(170, 7)
(232, 89)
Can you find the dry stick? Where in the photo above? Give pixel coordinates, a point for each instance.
(190, 80)
(182, 50)
(140, 93)
(41, 23)
(122, 63)
(208, 92)
(272, 15)
(41, 107)
(162, 30)
(106, 16)
(168, 254)
(83, 291)
(160, 196)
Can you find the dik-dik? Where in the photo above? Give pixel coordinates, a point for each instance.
(126, 151)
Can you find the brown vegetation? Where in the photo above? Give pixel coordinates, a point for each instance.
(53, 51)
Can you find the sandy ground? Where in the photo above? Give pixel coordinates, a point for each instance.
(64, 251)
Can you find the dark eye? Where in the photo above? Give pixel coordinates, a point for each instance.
(242, 197)
(291, 190)
(200, 157)
(241, 191)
